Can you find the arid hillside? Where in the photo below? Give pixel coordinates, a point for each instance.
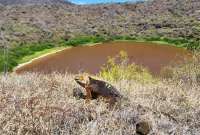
(28, 2)
(33, 22)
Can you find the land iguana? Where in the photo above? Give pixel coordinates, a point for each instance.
(97, 88)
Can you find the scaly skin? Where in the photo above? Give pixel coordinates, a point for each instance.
(97, 88)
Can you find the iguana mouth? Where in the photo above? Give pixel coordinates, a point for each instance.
(79, 79)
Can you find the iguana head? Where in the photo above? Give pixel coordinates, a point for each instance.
(83, 80)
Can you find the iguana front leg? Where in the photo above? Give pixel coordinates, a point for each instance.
(88, 94)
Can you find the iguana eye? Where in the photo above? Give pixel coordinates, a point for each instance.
(108, 86)
(81, 78)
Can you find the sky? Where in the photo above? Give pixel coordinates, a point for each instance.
(99, 1)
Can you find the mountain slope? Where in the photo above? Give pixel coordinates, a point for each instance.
(164, 18)
(27, 2)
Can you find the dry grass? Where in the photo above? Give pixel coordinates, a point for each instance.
(44, 104)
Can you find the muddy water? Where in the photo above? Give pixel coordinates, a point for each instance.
(91, 58)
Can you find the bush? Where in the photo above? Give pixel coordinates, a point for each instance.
(119, 37)
(154, 38)
(118, 68)
(84, 40)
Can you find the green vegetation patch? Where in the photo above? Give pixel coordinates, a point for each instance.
(26, 51)
(82, 40)
(118, 69)
(178, 42)
(16, 54)
(40, 53)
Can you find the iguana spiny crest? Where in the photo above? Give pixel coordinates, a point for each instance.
(97, 88)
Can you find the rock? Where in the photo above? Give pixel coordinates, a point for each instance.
(143, 128)
(77, 92)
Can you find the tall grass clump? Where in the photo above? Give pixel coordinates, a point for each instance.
(118, 68)
(188, 72)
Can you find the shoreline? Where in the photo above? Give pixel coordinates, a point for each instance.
(44, 55)
(87, 44)
(30, 61)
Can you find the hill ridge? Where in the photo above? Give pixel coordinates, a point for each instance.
(33, 2)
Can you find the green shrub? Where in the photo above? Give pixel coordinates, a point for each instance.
(193, 45)
(126, 37)
(84, 40)
(1, 62)
(179, 42)
(118, 69)
(154, 38)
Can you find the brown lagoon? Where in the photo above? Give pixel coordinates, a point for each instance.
(92, 58)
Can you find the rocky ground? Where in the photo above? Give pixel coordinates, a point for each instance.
(47, 21)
